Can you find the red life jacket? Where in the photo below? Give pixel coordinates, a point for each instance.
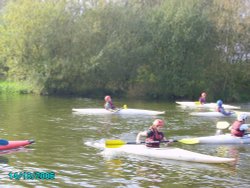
(235, 130)
(154, 135)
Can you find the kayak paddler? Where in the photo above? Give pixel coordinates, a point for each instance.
(153, 134)
(109, 104)
(221, 109)
(239, 128)
(202, 98)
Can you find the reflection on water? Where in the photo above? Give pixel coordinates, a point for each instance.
(230, 151)
(60, 136)
(157, 172)
(13, 151)
(4, 160)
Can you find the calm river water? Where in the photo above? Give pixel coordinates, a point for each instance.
(60, 148)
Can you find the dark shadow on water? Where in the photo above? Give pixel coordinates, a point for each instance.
(4, 160)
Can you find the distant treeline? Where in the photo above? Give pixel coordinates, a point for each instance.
(157, 49)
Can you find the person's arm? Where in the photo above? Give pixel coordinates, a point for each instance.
(138, 137)
(224, 112)
(106, 106)
(170, 141)
(244, 127)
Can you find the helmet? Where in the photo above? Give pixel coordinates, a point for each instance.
(158, 123)
(242, 117)
(219, 102)
(107, 98)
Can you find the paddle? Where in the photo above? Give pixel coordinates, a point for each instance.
(222, 125)
(120, 143)
(118, 109)
(3, 142)
(197, 102)
(237, 112)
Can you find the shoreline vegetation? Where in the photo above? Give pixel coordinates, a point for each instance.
(11, 88)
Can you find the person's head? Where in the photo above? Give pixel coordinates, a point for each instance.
(158, 123)
(203, 95)
(219, 103)
(242, 117)
(107, 98)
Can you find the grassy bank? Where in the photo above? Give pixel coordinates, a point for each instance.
(14, 88)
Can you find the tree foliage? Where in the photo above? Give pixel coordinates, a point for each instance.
(158, 49)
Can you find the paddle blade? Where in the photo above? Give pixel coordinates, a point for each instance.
(4, 142)
(197, 103)
(189, 141)
(114, 143)
(222, 125)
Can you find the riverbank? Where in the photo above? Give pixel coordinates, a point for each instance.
(15, 88)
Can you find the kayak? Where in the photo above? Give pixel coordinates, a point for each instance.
(16, 144)
(102, 111)
(218, 114)
(206, 105)
(223, 139)
(211, 114)
(170, 153)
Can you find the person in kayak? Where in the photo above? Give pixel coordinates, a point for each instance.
(202, 98)
(239, 128)
(109, 104)
(153, 134)
(221, 109)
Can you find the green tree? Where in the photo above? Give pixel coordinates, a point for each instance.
(183, 42)
(231, 21)
(158, 49)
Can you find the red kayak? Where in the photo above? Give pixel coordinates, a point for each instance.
(16, 144)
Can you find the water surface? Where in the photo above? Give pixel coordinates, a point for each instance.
(60, 136)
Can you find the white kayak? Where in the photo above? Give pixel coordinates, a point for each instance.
(223, 139)
(102, 111)
(211, 114)
(170, 153)
(218, 114)
(206, 105)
